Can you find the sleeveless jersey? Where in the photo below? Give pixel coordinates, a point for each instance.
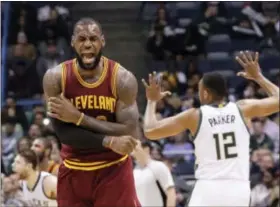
(37, 196)
(97, 100)
(222, 144)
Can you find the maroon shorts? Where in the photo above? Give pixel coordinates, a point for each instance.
(107, 187)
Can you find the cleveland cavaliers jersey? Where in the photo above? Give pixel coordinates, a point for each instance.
(97, 100)
(37, 195)
(222, 144)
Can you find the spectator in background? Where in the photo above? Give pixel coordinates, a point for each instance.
(259, 139)
(9, 141)
(22, 81)
(267, 192)
(24, 20)
(12, 110)
(34, 132)
(162, 17)
(49, 58)
(159, 44)
(177, 146)
(23, 144)
(22, 48)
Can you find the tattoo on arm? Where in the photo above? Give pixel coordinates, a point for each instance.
(127, 109)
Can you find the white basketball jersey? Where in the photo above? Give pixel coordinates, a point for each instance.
(222, 144)
(37, 195)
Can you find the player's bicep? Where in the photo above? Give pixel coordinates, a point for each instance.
(258, 107)
(127, 109)
(52, 82)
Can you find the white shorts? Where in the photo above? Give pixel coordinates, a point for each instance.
(220, 193)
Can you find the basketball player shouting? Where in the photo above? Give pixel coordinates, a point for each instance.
(39, 188)
(89, 97)
(220, 134)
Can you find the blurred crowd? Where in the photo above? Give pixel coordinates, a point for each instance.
(39, 39)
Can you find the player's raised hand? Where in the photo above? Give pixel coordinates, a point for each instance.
(250, 65)
(153, 89)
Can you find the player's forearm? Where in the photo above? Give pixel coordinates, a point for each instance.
(171, 197)
(270, 88)
(104, 127)
(150, 119)
(77, 137)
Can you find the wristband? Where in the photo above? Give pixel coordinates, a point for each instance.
(80, 119)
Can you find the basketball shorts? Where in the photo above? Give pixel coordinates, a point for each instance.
(110, 186)
(220, 193)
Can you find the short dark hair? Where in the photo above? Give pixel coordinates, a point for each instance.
(86, 21)
(30, 157)
(216, 83)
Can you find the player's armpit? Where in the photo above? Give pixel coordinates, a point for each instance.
(259, 107)
(49, 186)
(127, 109)
(77, 137)
(156, 129)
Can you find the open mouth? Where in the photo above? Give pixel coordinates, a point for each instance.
(88, 55)
(88, 58)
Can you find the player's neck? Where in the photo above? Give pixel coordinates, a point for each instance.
(32, 178)
(44, 165)
(218, 103)
(91, 73)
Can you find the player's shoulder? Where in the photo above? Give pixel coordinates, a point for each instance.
(48, 179)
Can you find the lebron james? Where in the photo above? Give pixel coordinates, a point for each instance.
(92, 104)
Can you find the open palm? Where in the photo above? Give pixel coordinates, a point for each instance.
(153, 89)
(250, 65)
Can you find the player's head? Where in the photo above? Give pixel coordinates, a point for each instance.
(42, 147)
(24, 163)
(88, 42)
(212, 88)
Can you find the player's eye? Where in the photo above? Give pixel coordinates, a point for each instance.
(82, 39)
(93, 39)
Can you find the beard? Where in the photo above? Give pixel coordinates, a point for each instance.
(41, 156)
(91, 66)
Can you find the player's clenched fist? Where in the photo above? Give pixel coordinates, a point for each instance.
(122, 145)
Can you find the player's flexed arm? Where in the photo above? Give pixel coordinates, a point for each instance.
(127, 110)
(76, 136)
(257, 107)
(156, 129)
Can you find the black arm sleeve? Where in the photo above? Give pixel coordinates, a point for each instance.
(77, 137)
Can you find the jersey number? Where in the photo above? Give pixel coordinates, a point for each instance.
(229, 138)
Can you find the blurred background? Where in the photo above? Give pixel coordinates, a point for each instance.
(180, 39)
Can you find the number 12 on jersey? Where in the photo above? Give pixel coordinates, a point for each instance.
(223, 144)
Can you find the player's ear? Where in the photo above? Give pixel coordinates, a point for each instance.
(72, 41)
(103, 42)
